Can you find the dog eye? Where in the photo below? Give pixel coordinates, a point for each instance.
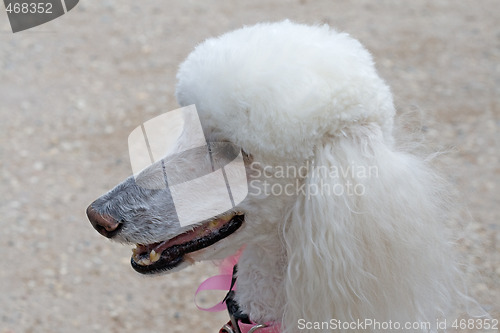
(248, 158)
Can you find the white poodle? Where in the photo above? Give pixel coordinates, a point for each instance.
(342, 229)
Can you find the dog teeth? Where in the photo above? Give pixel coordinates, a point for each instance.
(226, 217)
(144, 262)
(154, 257)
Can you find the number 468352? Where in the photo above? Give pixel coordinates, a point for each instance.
(29, 8)
(479, 324)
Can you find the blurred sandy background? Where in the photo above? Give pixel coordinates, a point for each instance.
(72, 90)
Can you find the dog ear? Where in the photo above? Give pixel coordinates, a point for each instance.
(365, 239)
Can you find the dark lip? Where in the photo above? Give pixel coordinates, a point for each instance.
(174, 255)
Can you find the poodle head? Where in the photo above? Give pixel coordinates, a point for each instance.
(276, 90)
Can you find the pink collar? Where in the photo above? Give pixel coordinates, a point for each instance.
(224, 282)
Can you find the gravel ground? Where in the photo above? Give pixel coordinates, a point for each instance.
(72, 90)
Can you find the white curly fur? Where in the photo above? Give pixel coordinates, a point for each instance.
(309, 98)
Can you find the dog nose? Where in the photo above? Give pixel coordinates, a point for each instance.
(104, 224)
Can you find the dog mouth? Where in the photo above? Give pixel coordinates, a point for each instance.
(163, 256)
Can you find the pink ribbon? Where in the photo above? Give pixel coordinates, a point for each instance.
(223, 282)
(220, 282)
(217, 282)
